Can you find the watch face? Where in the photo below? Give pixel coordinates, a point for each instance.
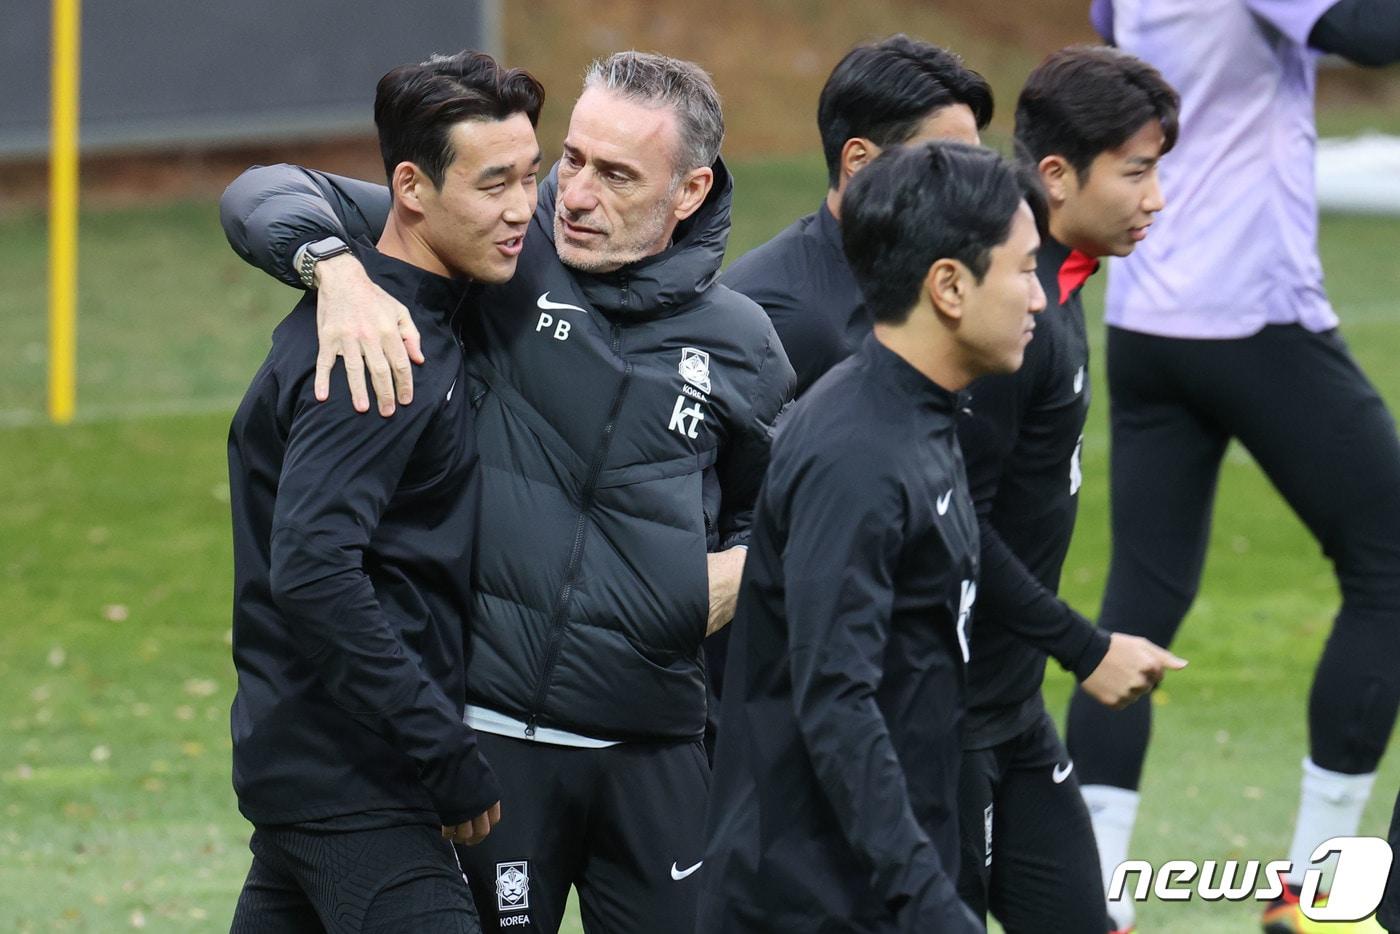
(330, 246)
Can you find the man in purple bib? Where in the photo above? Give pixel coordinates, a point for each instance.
(1219, 329)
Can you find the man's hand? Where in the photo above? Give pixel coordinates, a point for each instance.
(1132, 667)
(359, 321)
(725, 567)
(472, 832)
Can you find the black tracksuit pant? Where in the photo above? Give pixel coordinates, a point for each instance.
(624, 824)
(1302, 407)
(1028, 851)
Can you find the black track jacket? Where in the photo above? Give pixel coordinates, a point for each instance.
(349, 539)
(624, 422)
(803, 282)
(1019, 435)
(834, 799)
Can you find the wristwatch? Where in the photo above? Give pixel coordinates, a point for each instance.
(312, 253)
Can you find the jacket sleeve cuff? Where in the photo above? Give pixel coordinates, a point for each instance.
(1093, 648)
(740, 537)
(463, 787)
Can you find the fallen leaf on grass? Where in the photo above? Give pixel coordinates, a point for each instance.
(57, 656)
(192, 749)
(201, 687)
(115, 613)
(101, 754)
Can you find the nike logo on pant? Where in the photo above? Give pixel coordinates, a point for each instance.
(679, 874)
(1061, 773)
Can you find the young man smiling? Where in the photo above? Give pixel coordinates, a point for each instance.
(625, 405)
(1093, 122)
(350, 755)
(836, 771)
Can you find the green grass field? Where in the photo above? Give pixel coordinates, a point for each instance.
(115, 571)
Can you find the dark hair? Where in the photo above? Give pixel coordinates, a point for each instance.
(416, 106)
(917, 204)
(883, 91)
(1088, 99)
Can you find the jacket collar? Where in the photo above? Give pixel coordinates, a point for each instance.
(829, 228)
(414, 286)
(901, 376)
(1068, 269)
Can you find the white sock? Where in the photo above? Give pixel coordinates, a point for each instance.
(1330, 806)
(1113, 812)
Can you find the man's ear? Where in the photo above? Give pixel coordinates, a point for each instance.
(693, 191)
(408, 186)
(856, 154)
(946, 286)
(1058, 177)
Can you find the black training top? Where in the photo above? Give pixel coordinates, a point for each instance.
(834, 794)
(1021, 442)
(802, 280)
(352, 535)
(1021, 438)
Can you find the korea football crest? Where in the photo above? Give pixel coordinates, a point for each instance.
(687, 414)
(513, 885)
(695, 368)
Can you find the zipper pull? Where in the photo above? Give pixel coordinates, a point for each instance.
(530, 726)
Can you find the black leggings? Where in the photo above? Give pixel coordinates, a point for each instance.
(1389, 914)
(377, 881)
(1302, 407)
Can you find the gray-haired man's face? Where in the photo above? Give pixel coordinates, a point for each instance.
(618, 199)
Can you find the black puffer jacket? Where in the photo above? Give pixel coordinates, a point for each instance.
(623, 422)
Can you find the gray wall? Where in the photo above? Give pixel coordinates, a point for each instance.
(177, 71)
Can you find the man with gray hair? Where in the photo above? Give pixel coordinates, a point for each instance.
(624, 411)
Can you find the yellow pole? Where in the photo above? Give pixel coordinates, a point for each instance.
(63, 211)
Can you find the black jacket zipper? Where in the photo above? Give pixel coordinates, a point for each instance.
(561, 607)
